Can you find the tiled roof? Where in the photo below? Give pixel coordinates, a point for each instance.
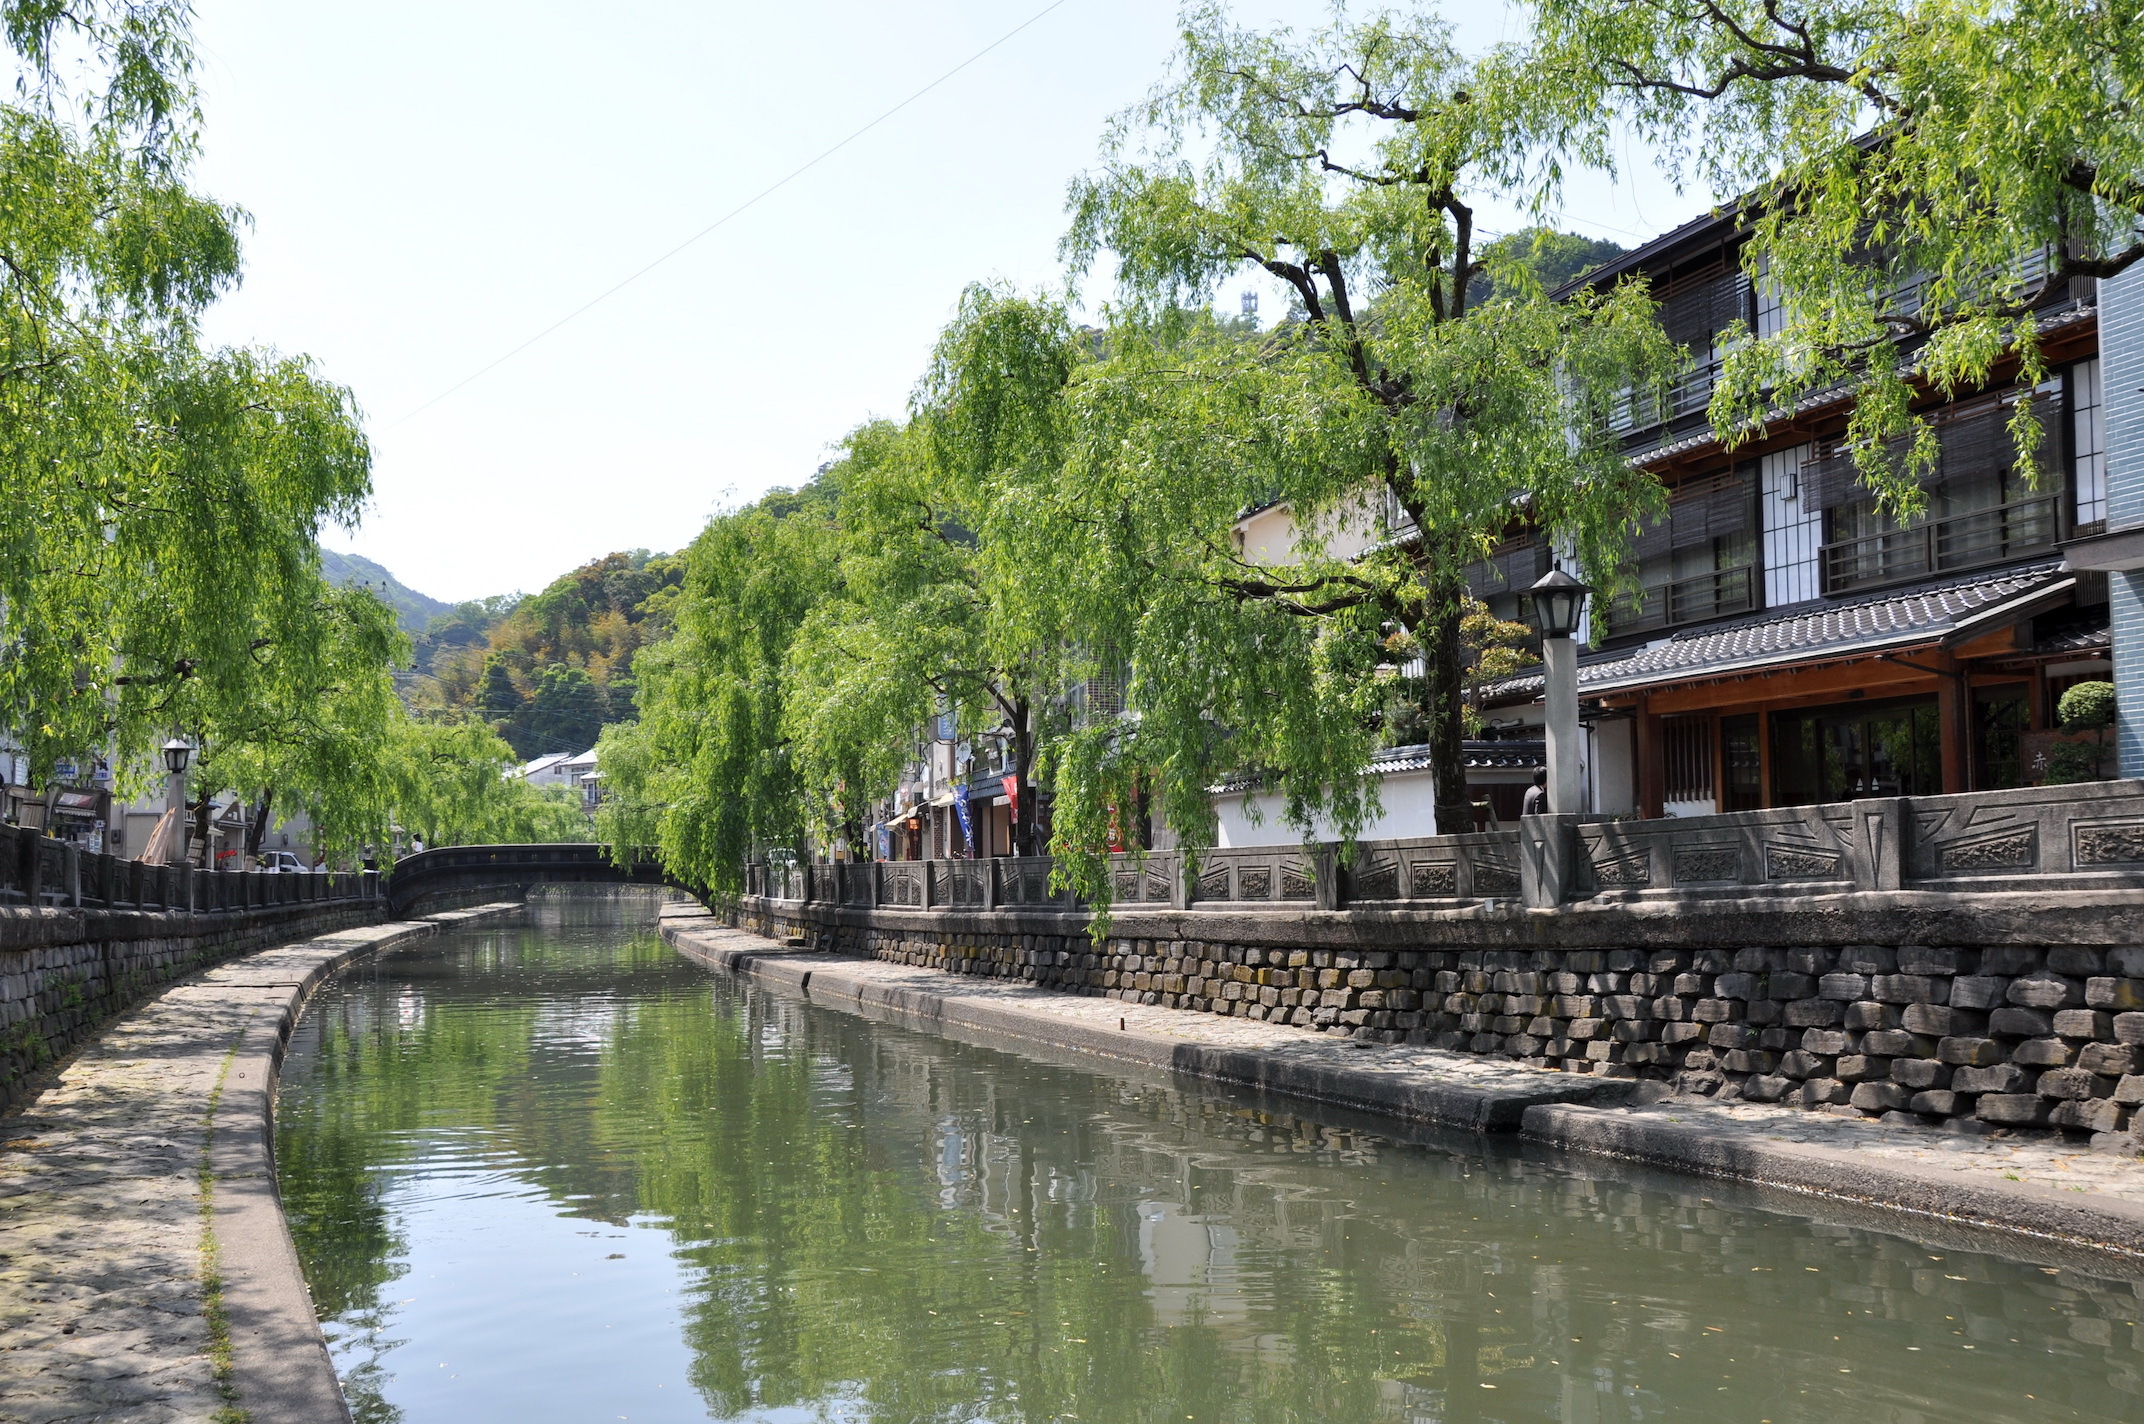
(1478, 755)
(1821, 629)
(2087, 635)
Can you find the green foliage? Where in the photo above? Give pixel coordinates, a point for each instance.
(934, 612)
(1535, 260)
(448, 782)
(709, 776)
(549, 670)
(1396, 428)
(1925, 176)
(159, 565)
(2087, 707)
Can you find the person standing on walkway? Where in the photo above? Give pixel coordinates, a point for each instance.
(1536, 802)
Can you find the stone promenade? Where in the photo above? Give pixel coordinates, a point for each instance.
(146, 1274)
(2036, 1184)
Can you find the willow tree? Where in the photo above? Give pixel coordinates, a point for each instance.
(933, 616)
(708, 776)
(1921, 178)
(1403, 426)
(158, 559)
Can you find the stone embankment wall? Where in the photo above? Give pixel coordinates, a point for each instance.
(65, 972)
(1996, 1011)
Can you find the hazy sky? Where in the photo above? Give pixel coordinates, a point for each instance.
(432, 184)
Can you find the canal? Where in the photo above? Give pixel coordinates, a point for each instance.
(553, 1172)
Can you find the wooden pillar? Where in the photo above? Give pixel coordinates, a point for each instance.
(1954, 712)
(1764, 757)
(1652, 772)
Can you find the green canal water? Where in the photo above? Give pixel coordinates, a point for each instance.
(553, 1172)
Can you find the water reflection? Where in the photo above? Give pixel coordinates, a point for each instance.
(558, 1174)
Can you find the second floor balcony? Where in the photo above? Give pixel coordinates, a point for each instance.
(1697, 599)
(2016, 529)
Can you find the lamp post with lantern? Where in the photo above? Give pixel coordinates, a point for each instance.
(1559, 607)
(176, 755)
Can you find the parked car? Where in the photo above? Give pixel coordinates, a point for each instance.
(281, 861)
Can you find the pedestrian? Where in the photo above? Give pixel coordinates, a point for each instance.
(416, 845)
(1536, 802)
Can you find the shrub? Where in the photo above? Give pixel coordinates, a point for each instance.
(2086, 707)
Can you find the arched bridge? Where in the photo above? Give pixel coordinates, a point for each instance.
(508, 869)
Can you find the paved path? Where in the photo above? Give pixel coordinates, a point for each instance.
(2035, 1184)
(146, 1274)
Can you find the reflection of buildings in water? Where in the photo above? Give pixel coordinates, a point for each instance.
(1218, 1205)
(1190, 1265)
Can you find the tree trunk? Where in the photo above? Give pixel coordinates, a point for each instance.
(258, 831)
(1444, 669)
(1023, 796)
(201, 810)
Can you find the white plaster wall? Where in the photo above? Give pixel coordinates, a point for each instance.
(1269, 536)
(1615, 767)
(1410, 810)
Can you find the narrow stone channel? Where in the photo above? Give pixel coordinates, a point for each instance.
(554, 1172)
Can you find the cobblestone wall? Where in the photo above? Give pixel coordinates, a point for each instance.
(64, 973)
(1984, 1035)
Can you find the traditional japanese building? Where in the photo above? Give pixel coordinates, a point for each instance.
(1793, 644)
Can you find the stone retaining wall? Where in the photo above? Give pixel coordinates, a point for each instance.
(2004, 1011)
(66, 972)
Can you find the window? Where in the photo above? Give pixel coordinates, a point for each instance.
(2001, 717)
(1981, 510)
(1742, 763)
(1771, 306)
(1700, 562)
(1686, 758)
(1840, 753)
(2088, 446)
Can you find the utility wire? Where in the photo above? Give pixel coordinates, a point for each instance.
(762, 194)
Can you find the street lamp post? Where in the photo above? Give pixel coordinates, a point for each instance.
(176, 754)
(1559, 604)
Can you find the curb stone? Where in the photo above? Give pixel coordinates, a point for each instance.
(101, 1210)
(1965, 1182)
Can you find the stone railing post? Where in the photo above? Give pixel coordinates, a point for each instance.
(1548, 860)
(990, 883)
(1325, 874)
(1881, 826)
(32, 858)
(73, 856)
(925, 868)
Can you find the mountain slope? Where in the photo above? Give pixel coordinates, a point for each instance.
(415, 610)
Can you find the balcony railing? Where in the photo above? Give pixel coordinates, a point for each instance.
(1964, 541)
(1689, 600)
(1691, 391)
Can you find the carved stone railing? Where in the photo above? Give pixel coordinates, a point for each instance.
(2053, 838)
(36, 870)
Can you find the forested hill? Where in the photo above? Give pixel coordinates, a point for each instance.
(416, 610)
(549, 669)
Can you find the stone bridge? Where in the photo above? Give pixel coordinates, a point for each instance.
(496, 871)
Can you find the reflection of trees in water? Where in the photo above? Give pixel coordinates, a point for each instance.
(927, 1230)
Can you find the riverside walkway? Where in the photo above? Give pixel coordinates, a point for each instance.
(2031, 1186)
(146, 1274)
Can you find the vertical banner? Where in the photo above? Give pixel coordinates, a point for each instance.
(885, 842)
(1012, 797)
(967, 822)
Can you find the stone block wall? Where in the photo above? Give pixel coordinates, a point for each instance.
(64, 973)
(2003, 1015)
